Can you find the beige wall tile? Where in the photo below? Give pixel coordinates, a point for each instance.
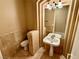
(9, 43)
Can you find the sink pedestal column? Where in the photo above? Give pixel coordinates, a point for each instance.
(51, 51)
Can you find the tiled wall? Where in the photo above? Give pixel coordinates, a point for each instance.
(13, 25)
(16, 18)
(10, 42)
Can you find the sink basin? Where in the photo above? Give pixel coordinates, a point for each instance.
(52, 39)
(54, 35)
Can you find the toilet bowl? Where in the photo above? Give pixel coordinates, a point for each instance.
(24, 44)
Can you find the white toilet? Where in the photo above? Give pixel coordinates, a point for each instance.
(24, 44)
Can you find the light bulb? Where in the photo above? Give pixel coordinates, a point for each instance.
(60, 5)
(53, 6)
(49, 6)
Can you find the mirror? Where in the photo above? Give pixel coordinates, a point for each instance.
(55, 19)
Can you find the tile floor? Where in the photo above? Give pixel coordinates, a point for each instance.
(21, 54)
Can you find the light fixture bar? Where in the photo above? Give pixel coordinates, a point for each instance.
(54, 5)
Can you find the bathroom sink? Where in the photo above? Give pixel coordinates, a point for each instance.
(52, 39)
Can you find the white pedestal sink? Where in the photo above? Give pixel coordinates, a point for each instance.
(53, 40)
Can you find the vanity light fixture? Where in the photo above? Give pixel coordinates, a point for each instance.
(54, 5)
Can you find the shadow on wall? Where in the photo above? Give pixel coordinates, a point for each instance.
(20, 9)
(26, 10)
(30, 14)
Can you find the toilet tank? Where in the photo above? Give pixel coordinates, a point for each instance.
(33, 39)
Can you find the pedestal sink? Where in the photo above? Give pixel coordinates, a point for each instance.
(53, 40)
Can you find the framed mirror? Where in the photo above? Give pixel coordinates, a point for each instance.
(55, 19)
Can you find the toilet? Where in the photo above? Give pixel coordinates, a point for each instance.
(24, 44)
